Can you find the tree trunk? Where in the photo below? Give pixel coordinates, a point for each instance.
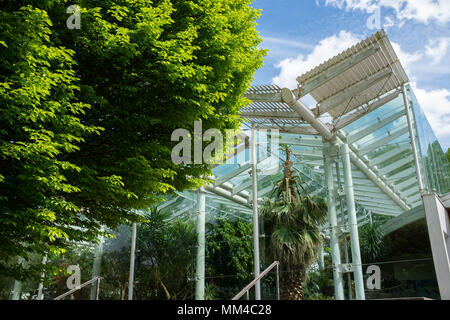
(292, 287)
(287, 185)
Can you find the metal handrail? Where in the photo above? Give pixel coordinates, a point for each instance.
(80, 287)
(262, 274)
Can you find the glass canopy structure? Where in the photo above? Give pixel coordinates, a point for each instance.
(366, 141)
(365, 146)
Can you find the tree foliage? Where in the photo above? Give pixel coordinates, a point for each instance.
(372, 243)
(39, 123)
(87, 115)
(165, 260)
(229, 256)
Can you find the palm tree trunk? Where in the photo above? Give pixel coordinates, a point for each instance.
(292, 286)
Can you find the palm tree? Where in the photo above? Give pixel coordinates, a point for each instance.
(292, 220)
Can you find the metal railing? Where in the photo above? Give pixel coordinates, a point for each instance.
(261, 275)
(80, 287)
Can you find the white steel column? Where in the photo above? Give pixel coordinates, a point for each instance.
(40, 295)
(96, 268)
(201, 246)
(413, 139)
(132, 257)
(353, 223)
(321, 261)
(332, 218)
(254, 161)
(17, 290)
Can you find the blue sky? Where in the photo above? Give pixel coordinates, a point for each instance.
(303, 33)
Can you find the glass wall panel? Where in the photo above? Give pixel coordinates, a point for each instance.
(434, 164)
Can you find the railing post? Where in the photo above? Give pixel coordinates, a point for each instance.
(132, 257)
(40, 295)
(90, 282)
(98, 289)
(278, 282)
(256, 280)
(96, 266)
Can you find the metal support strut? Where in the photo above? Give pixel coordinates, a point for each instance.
(332, 218)
(200, 262)
(254, 161)
(132, 256)
(413, 139)
(353, 223)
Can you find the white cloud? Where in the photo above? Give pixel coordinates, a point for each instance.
(435, 103)
(407, 59)
(436, 106)
(327, 48)
(389, 22)
(437, 49)
(420, 10)
(284, 42)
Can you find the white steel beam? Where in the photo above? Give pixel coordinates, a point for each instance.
(307, 130)
(395, 165)
(298, 106)
(264, 97)
(383, 141)
(308, 154)
(371, 196)
(383, 213)
(306, 113)
(407, 183)
(378, 204)
(303, 142)
(228, 195)
(315, 82)
(374, 127)
(365, 110)
(248, 184)
(401, 175)
(232, 174)
(346, 94)
(275, 115)
(388, 190)
(364, 187)
(388, 155)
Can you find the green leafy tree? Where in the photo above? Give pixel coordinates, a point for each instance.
(292, 221)
(229, 256)
(165, 259)
(448, 155)
(373, 246)
(319, 284)
(39, 125)
(87, 114)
